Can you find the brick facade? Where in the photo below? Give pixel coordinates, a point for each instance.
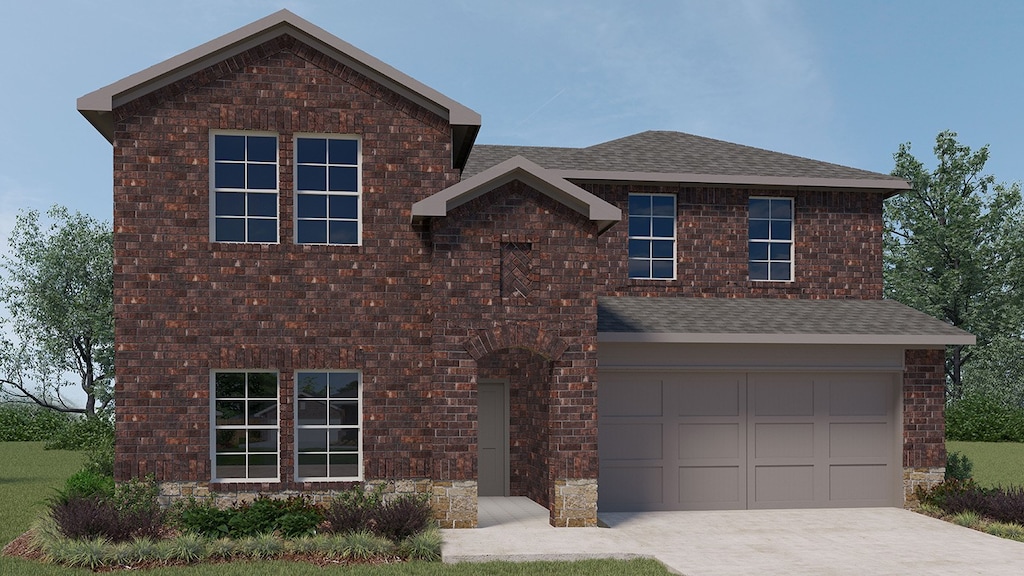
(185, 306)
(837, 245)
(503, 287)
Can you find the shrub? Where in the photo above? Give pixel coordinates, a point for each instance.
(956, 497)
(952, 496)
(29, 423)
(353, 509)
(140, 496)
(291, 517)
(85, 484)
(202, 517)
(958, 467)
(131, 511)
(979, 418)
(402, 517)
(83, 434)
(100, 458)
(81, 518)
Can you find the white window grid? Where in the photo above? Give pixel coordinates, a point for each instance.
(652, 259)
(790, 242)
(263, 191)
(357, 194)
(358, 426)
(215, 427)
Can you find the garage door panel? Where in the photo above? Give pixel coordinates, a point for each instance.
(782, 395)
(863, 484)
(784, 440)
(633, 397)
(859, 395)
(775, 485)
(709, 394)
(631, 441)
(711, 487)
(709, 441)
(631, 488)
(860, 440)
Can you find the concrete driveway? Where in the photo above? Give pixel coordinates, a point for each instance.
(855, 542)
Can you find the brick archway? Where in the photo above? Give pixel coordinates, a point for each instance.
(505, 336)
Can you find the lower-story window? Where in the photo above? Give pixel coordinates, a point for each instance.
(245, 426)
(328, 441)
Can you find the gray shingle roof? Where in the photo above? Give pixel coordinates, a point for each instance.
(766, 320)
(664, 152)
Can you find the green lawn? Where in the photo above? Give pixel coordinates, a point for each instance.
(29, 474)
(995, 463)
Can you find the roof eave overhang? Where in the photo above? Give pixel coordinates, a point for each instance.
(518, 168)
(97, 106)
(880, 185)
(905, 340)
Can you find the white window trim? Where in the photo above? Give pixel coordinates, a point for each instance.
(214, 428)
(214, 190)
(792, 240)
(358, 193)
(359, 426)
(675, 239)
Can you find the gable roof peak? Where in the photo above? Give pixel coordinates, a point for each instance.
(98, 106)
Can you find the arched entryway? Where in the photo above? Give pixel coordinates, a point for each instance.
(513, 447)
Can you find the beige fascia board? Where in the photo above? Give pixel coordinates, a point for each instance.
(881, 185)
(911, 340)
(531, 174)
(94, 104)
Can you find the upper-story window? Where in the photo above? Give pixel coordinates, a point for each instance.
(244, 176)
(652, 236)
(771, 239)
(327, 199)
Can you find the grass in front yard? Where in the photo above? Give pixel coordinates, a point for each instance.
(995, 463)
(29, 475)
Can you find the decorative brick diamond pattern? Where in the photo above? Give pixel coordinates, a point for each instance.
(515, 269)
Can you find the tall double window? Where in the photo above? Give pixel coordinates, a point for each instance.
(327, 426)
(771, 239)
(245, 426)
(326, 190)
(245, 185)
(244, 175)
(652, 236)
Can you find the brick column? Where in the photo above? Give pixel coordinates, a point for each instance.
(924, 426)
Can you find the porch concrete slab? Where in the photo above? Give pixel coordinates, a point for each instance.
(839, 542)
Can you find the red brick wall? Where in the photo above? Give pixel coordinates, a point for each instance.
(924, 401)
(837, 245)
(185, 305)
(556, 320)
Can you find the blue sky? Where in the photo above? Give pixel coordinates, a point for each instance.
(840, 81)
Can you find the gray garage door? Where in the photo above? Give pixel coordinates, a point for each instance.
(717, 440)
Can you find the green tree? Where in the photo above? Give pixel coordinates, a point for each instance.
(57, 286)
(952, 249)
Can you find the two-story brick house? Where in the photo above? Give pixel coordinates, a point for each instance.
(320, 279)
